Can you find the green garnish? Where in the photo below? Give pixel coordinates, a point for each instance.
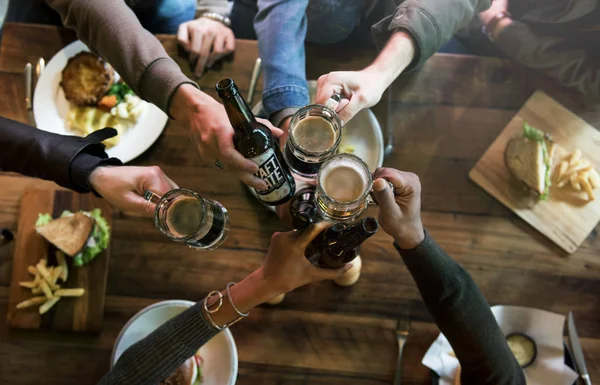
(532, 133)
(120, 89)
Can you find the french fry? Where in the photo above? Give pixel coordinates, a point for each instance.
(575, 156)
(580, 167)
(62, 262)
(594, 179)
(77, 292)
(37, 290)
(43, 270)
(31, 302)
(587, 188)
(28, 284)
(562, 169)
(32, 270)
(48, 305)
(46, 289)
(43, 262)
(55, 274)
(37, 279)
(575, 182)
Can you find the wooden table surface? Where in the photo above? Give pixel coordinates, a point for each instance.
(443, 117)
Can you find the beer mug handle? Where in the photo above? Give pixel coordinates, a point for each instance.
(334, 101)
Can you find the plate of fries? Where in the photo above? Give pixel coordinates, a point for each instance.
(578, 174)
(46, 284)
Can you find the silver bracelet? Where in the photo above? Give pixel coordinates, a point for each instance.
(240, 313)
(223, 19)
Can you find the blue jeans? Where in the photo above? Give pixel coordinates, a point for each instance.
(157, 16)
(282, 27)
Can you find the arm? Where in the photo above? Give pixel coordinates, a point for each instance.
(111, 29)
(285, 268)
(550, 55)
(66, 160)
(409, 36)
(450, 294)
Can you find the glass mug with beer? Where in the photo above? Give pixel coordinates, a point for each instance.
(315, 133)
(184, 216)
(344, 185)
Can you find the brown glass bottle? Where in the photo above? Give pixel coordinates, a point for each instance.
(339, 244)
(256, 142)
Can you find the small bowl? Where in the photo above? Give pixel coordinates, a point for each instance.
(219, 354)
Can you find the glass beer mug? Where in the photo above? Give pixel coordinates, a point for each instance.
(344, 185)
(315, 133)
(184, 216)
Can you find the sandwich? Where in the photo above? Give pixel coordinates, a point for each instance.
(529, 159)
(189, 373)
(81, 235)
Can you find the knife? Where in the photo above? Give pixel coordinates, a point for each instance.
(402, 329)
(577, 351)
(28, 72)
(253, 80)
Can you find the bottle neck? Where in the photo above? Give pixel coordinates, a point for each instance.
(341, 238)
(240, 115)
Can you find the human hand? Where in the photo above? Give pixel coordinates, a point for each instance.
(212, 134)
(207, 41)
(361, 89)
(399, 210)
(124, 186)
(285, 267)
(495, 8)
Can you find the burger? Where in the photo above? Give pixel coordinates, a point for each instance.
(529, 159)
(189, 373)
(81, 235)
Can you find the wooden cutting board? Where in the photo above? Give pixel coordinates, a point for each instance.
(82, 314)
(566, 218)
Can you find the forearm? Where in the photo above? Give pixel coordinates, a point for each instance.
(462, 315)
(158, 355)
(281, 30)
(112, 30)
(66, 160)
(430, 23)
(397, 54)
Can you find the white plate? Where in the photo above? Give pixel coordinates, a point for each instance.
(50, 107)
(219, 354)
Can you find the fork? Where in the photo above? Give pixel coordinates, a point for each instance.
(402, 330)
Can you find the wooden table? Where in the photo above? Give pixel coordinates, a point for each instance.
(444, 117)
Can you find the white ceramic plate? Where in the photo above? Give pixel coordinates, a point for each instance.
(50, 107)
(219, 354)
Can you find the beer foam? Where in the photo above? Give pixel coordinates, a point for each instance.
(344, 179)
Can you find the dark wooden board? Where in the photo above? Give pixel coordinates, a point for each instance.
(84, 314)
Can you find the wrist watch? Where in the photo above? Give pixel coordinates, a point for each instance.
(489, 27)
(223, 19)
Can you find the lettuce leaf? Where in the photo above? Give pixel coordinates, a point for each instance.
(43, 219)
(532, 133)
(101, 236)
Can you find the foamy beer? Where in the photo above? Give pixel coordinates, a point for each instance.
(344, 183)
(315, 133)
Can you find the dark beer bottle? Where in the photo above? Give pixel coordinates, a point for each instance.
(256, 142)
(339, 244)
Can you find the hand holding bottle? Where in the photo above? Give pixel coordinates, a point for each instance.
(400, 209)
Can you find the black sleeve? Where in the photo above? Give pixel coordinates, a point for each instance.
(463, 316)
(66, 160)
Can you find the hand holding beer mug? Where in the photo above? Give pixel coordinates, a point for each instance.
(184, 216)
(400, 206)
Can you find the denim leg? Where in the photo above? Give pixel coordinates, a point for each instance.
(164, 16)
(280, 26)
(242, 17)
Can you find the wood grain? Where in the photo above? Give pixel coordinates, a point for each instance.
(443, 118)
(83, 314)
(566, 218)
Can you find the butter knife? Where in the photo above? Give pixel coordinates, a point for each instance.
(253, 80)
(28, 72)
(577, 351)
(402, 330)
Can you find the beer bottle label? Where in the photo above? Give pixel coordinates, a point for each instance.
(269, 170)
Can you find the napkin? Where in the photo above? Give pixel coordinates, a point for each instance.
(544, 327)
